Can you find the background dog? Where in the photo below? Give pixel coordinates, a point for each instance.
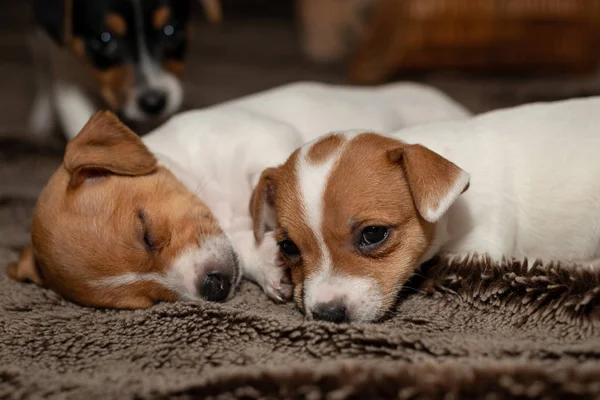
(124, 55)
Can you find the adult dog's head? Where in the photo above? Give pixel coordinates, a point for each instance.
(134, 49)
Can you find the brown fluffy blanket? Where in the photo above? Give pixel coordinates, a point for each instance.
(462, 330)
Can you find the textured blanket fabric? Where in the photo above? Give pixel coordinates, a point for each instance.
(461, 329)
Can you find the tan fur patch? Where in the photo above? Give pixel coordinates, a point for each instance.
(324, 148)
(161, 17)
(116, 23)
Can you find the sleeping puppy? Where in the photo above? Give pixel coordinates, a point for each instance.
(356, 212)
(124, 55)
(126, 222)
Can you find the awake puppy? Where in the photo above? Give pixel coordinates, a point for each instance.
(355, 213)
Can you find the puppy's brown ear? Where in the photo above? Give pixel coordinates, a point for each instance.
(26, 269)
(262, 204)
(435, 182)
(106, 146)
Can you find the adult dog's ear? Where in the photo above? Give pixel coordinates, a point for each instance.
(26, 269)
(435, 182)
(55, 17)
(262, 204)
(106, 146)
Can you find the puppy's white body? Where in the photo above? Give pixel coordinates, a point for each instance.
(534, 189)
(220, 152)
(315, 108)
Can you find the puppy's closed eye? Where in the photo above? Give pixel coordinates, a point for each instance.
(147, 238)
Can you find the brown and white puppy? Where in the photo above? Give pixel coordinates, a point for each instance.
(123, 55)
(354, 215)
(112, 228)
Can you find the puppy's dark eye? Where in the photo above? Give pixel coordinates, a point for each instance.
(373, 235)
(146, 236)
(289, 249)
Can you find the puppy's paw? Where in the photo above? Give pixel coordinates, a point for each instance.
(273, 277)
(276, 288)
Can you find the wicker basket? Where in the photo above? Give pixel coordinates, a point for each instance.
(498, 35)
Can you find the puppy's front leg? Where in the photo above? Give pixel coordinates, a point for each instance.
(73, 107)
(260, 263)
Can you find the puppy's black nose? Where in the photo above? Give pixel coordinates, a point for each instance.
(152, 102)
(215, 287)
(332, 312)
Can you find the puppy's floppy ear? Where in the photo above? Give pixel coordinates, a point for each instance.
(56, 17)
(26, 269)
(262, 204)
(435, 182)
(106, 146)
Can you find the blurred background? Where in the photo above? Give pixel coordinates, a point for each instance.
(485, 53)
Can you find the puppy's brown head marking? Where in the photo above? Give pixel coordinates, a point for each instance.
(354, 215)
(324, 148)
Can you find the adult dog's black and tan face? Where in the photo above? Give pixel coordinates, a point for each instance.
(135, 49)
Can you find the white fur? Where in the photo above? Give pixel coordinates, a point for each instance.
(312, 179)
(220, 152)
(432, 215)
(317, 108)
(534, 188)
(360, 295)
(129, 278)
